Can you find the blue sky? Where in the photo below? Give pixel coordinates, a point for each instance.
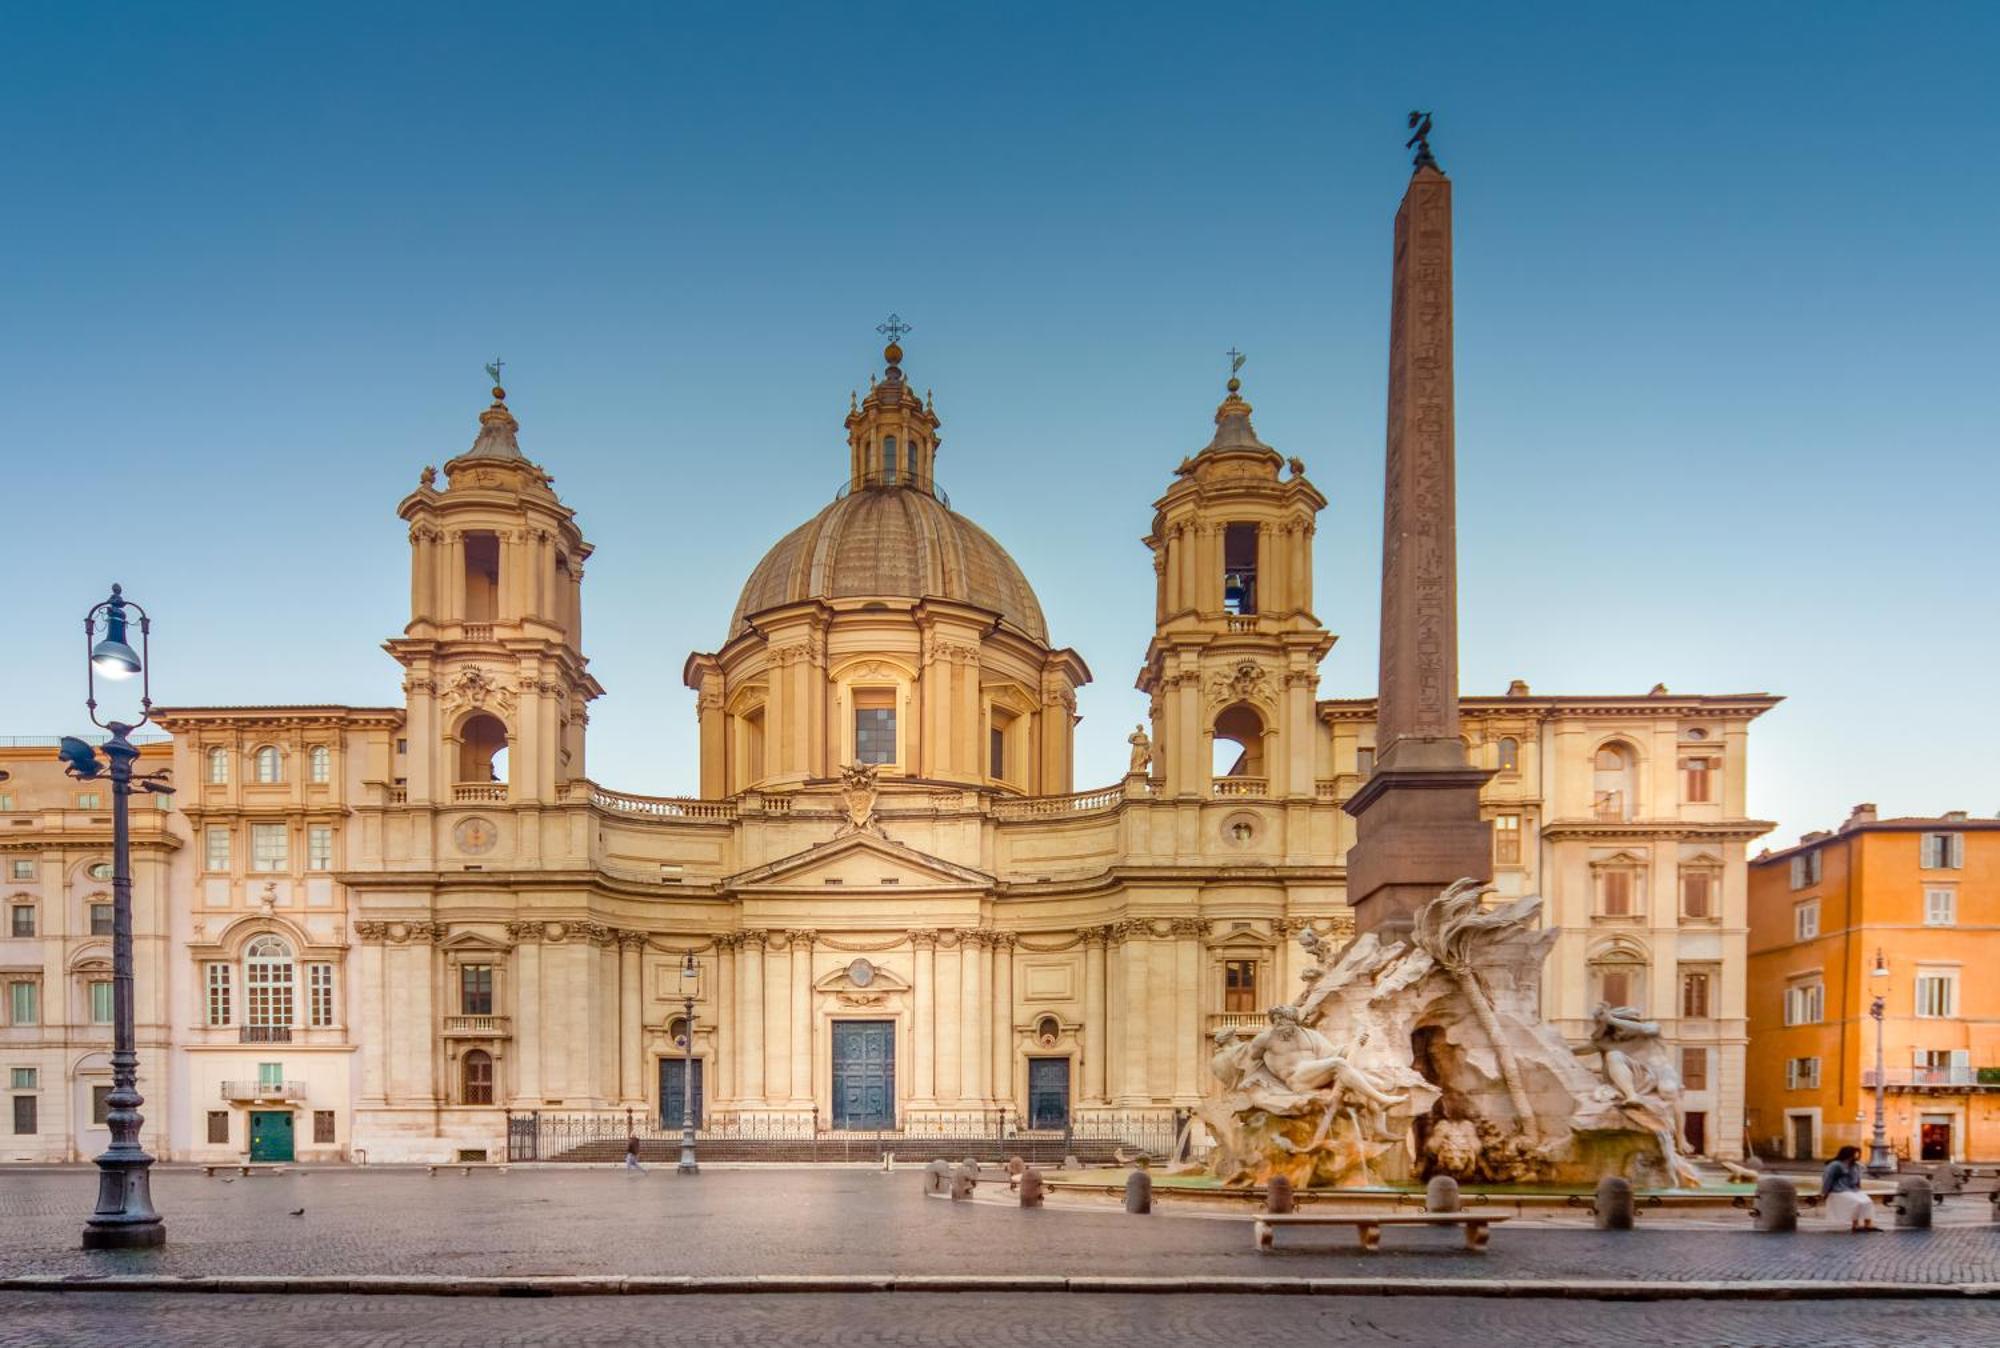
(1726, 330)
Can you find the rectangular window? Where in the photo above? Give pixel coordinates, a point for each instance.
(1239, 568)
(89, 800)
(1801, 1074)
(475, 989)
(1507, 839)
(1937, 993)
(100, 1104)
(1805, 920)
(103, 919)
(875, 726)
(996, 754)
(270, 1074)
(1694, 1069)
(1616, 987)
(1239, 986)
(1805, 1003)
(1697, 784)
(319, 996)
(267, 847)
(218, 994)
(24, 1078)
(22, 920)
(215, 848)
(1694, 996)
(1805, 869)
(322, 1127)
(24, 1004)
(1940, 907)
(218, 1127)
(319, 847)
(1943, 851)
(100, 1002)
(21, 868)
(1698, 893)
(6, 801)
(1616, 887)
(319, 761)
(1364, 762)
(25, 1121)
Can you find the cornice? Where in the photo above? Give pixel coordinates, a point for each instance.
(1727, 830)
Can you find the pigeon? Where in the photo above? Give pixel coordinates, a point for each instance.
(298, 1212)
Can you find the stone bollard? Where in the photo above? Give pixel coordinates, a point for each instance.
(937, 1177)
(1278, 1195)
(1613, 1209)
(1031, 1188)
(1777, 1205)
(888, 1161)
(1913, 1202)
(1441, 1195)
(964, 1180)
(1139, 1192)
(1071, 1163)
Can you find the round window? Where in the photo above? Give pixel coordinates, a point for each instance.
(100, 870)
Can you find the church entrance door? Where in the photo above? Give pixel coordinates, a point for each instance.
(1048, 1092)
(864, 1074)
(673, 1071)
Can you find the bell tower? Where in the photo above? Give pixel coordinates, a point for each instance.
(495, 678)
(1234, 661)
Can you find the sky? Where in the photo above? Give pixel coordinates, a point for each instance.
(1726, 337)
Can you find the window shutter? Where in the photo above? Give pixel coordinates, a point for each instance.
(1928, 858)
(1791, 1074)
(1956, 843)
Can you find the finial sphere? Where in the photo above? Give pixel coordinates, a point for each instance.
(893, 353)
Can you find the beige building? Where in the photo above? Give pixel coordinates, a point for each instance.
(391, 927)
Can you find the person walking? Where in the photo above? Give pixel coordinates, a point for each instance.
(1840, 1189)
(632, 1153)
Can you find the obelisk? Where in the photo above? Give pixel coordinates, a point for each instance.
(1417, 818)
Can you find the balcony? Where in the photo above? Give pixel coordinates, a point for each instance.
(1962, 1077)
(477, 1027)
(1245, 1023)
(479, 793)
(264, 1034)
(1239, 787)
(254, 1092)
(478, 631)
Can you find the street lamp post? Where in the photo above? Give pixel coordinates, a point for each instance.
(689, 976)
(1880, 1161)
(124, 1218)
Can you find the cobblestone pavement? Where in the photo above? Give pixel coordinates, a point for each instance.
(974, 1320)
(734, 1223)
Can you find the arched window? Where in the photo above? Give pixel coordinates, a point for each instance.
(1239, 743)
(482, 750)
(1611, 783)
(267, 983)
(266, 762)
(476, 1077)
(218, 767)
(1510, 755)
(888, 460)
(319, 763)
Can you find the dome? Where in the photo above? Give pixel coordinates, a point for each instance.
(892, 542)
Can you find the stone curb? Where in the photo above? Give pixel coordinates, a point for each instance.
(1580, 1289)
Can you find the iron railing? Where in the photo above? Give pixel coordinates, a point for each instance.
(264, 1034)
(1962, 1075)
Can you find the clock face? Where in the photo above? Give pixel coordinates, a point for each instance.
(475, 836)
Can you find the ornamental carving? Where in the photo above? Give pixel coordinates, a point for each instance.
(861, 998)
(1248, 682)
(858, 789)
(631, 940)
(371, 933)
(953, 652)
(519, 932)
(476, 688)
(802, 937)
(1188, 926)
(924, 939)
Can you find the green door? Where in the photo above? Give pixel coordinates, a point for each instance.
(270, 1135)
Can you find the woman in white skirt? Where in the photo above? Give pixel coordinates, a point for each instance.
(1840, 1188)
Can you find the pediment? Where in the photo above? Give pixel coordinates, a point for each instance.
(1619, 860)
(861, 861)
(472, 940)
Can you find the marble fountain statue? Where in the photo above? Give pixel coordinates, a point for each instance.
(1407, 1057)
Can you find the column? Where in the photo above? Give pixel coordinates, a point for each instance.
(750, 1019)
(802, 1044)
(372, 1032)
(777, 1023)
(722, 1021)
(453, 607)
(1093, 1016)
(1187, 1009)
(1001, 1058)
(1135, 954)
(923, 1018)
(527, 989)
(974, 1036)
(631, 1030)
(950, 1079)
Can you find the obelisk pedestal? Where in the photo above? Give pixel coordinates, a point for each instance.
(1418, 824)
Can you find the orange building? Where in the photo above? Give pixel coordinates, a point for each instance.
(1907, 910)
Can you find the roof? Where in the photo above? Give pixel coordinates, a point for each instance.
(1363, 708)
(1906, 823)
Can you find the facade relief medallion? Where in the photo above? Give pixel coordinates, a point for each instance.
(475, 837)
(861, 973)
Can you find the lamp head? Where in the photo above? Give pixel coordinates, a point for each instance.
(1881, 969)
(689, 971)
(114, 657)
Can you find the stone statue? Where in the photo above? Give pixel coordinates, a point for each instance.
(858, 789)
(1612, 1027)
(429, 477)
(1639, 1073)
(1142, 749)
(1301, 1061)
(1231, 1060)
(1316, 950)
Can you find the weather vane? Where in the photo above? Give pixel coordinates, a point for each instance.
(893, 329)
(493, 370)
(1236, 359)
(1420, 138)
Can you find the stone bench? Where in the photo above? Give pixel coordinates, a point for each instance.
(464, 1167)
(245, 1168)
(1368, 1225)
